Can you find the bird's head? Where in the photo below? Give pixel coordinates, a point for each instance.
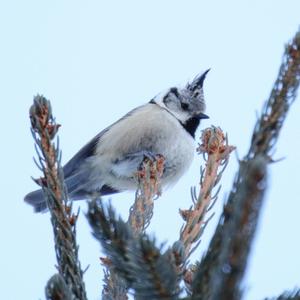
(185, 103)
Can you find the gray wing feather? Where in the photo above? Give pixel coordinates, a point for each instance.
(36, 199)
(87, 151)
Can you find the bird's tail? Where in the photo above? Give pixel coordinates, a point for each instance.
(37, 200)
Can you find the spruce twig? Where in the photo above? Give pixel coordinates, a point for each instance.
(148, 270)
(115, 287)
(148, 178)
(220, 272)
(214, 146)
(56, 289)
(63, 220)
(288, 295)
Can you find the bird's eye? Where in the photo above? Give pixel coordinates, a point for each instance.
(184, 106)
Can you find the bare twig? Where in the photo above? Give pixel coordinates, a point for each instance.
(63, 220)
(220, 272)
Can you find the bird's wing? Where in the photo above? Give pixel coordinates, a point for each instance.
(87, 151)
(74, 164)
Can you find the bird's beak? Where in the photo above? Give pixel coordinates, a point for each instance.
(202, 116)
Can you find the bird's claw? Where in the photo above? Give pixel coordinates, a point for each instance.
(150, 157)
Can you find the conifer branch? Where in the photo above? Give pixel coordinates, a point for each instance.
(56, 289)
(115, 287)
(215, 146)
(288, 295)
(148, 178)
(215, 149)
(219, 274)
(148, 271)
(283, 94)
(63, 221)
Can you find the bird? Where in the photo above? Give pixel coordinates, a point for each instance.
(107, 164)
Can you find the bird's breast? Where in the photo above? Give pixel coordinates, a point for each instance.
(149, 129)
(178, 153)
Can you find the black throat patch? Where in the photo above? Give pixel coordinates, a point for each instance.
(191, 125)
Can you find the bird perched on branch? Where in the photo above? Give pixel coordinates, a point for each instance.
(107, 164)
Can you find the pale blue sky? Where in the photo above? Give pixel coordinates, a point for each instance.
(96, 60)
